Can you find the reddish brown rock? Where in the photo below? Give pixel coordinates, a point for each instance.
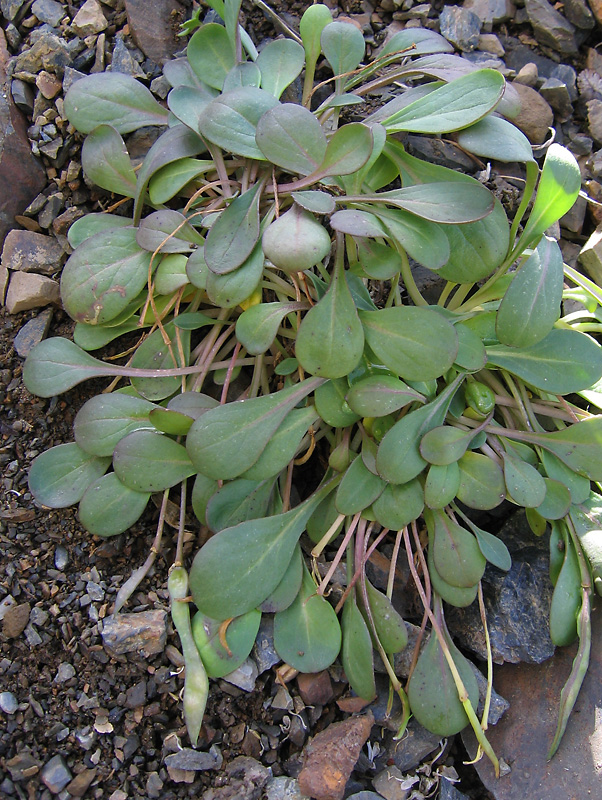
(15, 620)
(331, 755)
(315, 688)
(19, 169)
(154, 26)
(535, 116)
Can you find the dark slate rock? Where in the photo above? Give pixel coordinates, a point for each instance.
(517, 602)
(447, 791)
(551, 28)
(56, 775)
(10, 8)
(32, 252)
(264, 654)
(123, 61)
(49, 52)
(32, 333)
(49, 11)
(195, 760)
(579, 14)
(19, 169)
(22, 95)
(557, 95)
(460, 27)
(566, 74)
(408, 752)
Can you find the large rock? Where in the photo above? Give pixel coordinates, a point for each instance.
(28, 290)
(550, 27)
(535, 116)
(32, 252)
(154, 26)
(19, 169)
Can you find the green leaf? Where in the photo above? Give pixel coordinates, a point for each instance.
(56, 364)
(330, 340)
(458, 104)
(424, 241)
(398, 459)
(227, 291)
(202, 491)
(114, 99)
(155, 353)
(524, 483)
(280, 62)
(291, 137)
(91, 224)
(496, 138)
(239, 637)
(229, 439)
(397, 506)
(332, 406)
(93, 337)
(171, 274)
(493, 548)
(481, 482)
(237, 501)
(564, 361)
(454, 595)
(172, 422)
(578, 485)
(193, 404)
(211, 54)
(441, 485)
(379, 395)
(106, 418)
(403, 338)
(313, 22)
(347, 151)
(557, 501)
(197, 270)
(307, 634)
(390, 628)
(230, 121)
(566, 599)
(59, 477)
(288, 588)
(471, 350)
(531, 304)
(445, 445)
(257, 326)
(234, 233)
(284, 444)
(356, 651)
(171, 178)
(167, 231)
(176, 143)
(358, 489)
(104, 275)
(416, 41)
(378, 260)
(106, 162)
(432, 691)
(456, 553)
(316, 202)
(343, 45)
(358, 223)
(477, 248)
(238, 568)
(586, 519)
(447, 203)
(146, 461)
(108, 507)
(559, 185)
(244, 74)
(188, 103)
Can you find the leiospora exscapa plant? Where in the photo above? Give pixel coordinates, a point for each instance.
(247, 257)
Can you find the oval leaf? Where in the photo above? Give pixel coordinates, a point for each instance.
(149, 462)
(291, 137)
(106, 418)
(59, 477)
(106, 161)
(230, 121)
(280, 62)
(108, 507)
(234, 233)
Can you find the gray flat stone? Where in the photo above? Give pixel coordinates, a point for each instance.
(415, 745)
(49, 11)
(32, 333)
(144, 633)
(55, 775)
(550, 27)
(195, 760)
(460, 26)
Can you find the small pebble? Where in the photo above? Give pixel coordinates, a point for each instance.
(56, 775)
(8, 702)
(61, 557)
(65, 672)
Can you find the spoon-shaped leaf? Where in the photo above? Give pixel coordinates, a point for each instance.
(496, 138)
(284, 444)
(330, 340)
(288, 588)
(108, 507)
(454, 595)
(93, 337)
(456, 553)
(280, 62)
(256, 328)
(445, 444)
(56, 364)
(114, 99)
(238, 568)
(343, 45)
(227, 291)
(244, 74)
(234, 233)
(432, 691)
(481, 482)
(332, 406)
(441, 485)
(237, 501)
(59, 477)
(390, 628)
(531, 304)
(104, 275)
(446, 202)
(398, 459)
(238, 636)
(357, 223)
(154, 353)
(229, 439)
(211, 54)
(187, 103)
(424, 241)
(230, 121)
(315, 201)
(559, 185)
(379, 261)
(493, 548)
(578, 485)
(564, 361)
(557, 501)
(307, 634)
(398, 505)
(202, 491)
(358, 489)
(379, 395)
(356, 651)
(291, 137)
(172, 422)
(146, 461)
(106, 418)
(167, 231)
(524, 483)
(566, 599)
(87, 226)
(403, 338)
(106, 162)
(171, 178)
(347, 151)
